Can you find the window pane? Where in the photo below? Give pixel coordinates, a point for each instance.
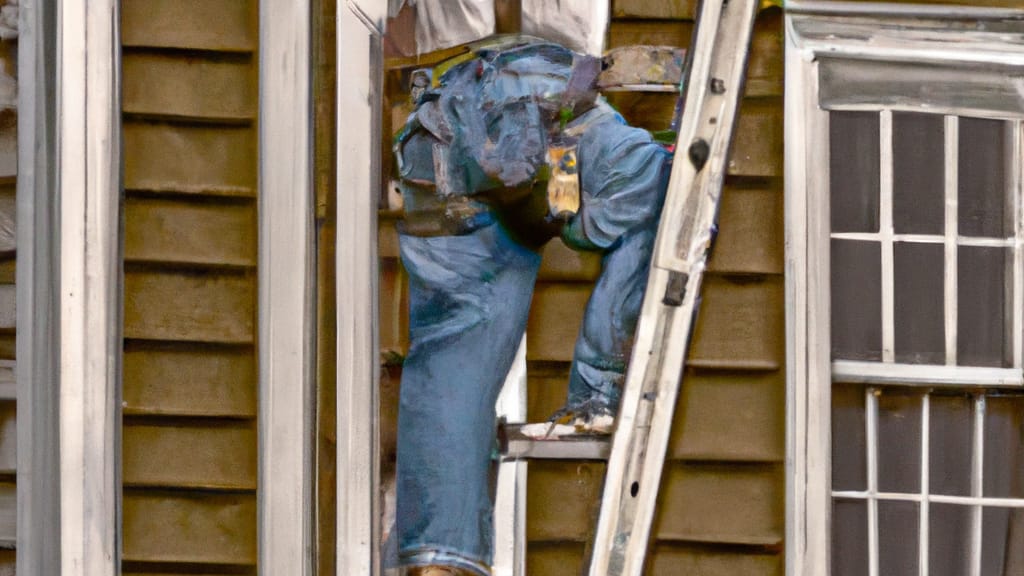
(854, 171)
(918, 173)
(1004, 449)
(983, 179)
(949, 542)
(899, 441)
(849, 538)
(897, 538)
(982, 317)
(951, 440)
(856, 300)
(849, 439)
(1001, 541)
(918, 300)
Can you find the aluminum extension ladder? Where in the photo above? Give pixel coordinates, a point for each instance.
(713, 84)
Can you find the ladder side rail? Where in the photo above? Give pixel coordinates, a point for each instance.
(685, 235)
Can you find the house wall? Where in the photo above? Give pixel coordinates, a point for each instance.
(190, 375)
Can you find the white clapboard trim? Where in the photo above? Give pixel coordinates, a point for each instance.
(360, 78)
(89, 191)
(287, 280)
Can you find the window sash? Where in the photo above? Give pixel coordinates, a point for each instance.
(953, 373)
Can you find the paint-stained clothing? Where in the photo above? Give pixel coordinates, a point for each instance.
(471, 280)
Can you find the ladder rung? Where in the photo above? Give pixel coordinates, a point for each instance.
(517, 446)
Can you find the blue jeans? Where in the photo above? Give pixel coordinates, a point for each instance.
(469, 298)
(469, 301)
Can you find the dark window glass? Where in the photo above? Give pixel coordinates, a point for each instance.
(920, 336)
(949, 542)
(982, 316)
(1004, 448)
(899, 441)
(856, 300)
(849, 538)
(951, 441)
(854, 171)
(983, 179)
(898, 534)
(918, 202)
(849, 438)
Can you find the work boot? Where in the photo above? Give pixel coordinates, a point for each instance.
(584, 420)
(438, 570)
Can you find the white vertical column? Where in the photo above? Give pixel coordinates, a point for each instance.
(886, 233)
(977, 484)
(952, 181)
(510, 500)
(89, 190)
(1017, 190)
(286, 284)
(871, 422)
(360, 26)
(923, 526)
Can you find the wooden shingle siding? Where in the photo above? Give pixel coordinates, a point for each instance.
(672, 560)
(732, 416)
(190, 158)
(555, 316)
(554, 558)
(189, 441)
(169, 381)
(562, 499)
(8, 518)
(171, 527)
(722, 503)
(222, 26)
(7, 270)
(740, 323)
(654, 9)
(8, 438)
(752, 243)
(189, 306)
(183, 231)
(199, 86)
(649, 32)
(192, 455)
(757, 144)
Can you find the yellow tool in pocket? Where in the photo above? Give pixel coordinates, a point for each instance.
(564, 183)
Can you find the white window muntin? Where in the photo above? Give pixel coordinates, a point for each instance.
(889, 370)
(870, 33)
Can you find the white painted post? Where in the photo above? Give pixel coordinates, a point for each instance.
(360, 75)
(510, 500)
(286, 287)
(88, 194)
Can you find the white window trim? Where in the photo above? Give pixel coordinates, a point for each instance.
(360, 79)
(809, 369)
(69, 341)
(287, 317)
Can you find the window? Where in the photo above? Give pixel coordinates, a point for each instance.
(905, 290)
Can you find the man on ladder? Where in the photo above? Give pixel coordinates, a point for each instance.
(508, 147)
